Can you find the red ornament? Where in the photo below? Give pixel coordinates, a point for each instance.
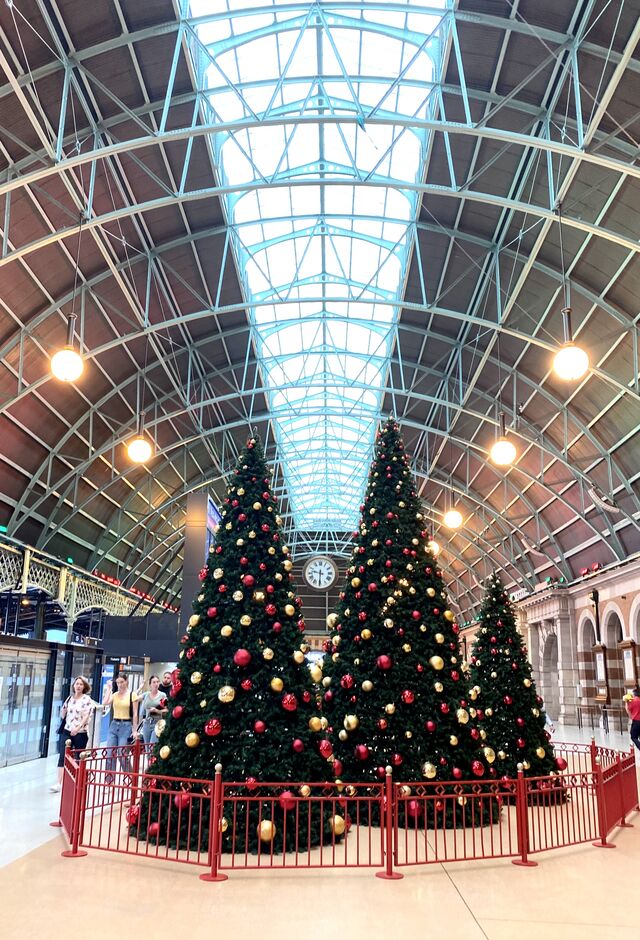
(457, 773)
(306, 696)
(337, 768)
(561, 763)
(262, 566)
(507, 700)
(242, 517)
(455, 675)
(347, 681)
(212, 611)
(387, 563)
(177, 711)
(185, 638)
(246, 685)
(175, 688)
(153, 830)
(244, 560)
(477, 768)
(252, 784)
(384, 662)
(325, 747)
(289, 702)
(362, 616)
(265, 526)
(298, 746)
(373, 587)
(382, 724)
(182, 800)
(202, 574)
(419, 668)
(277, 627)
(408, 697)
(444, 708)
(242, 657)
(133, 814)
(328, 696)
(287, 800)
(397, 759)
(494, 639)
(430, 726)
(520, 722)
(212, 727)
(414, 808)
(217, 668)
(248, 580)
(190, 653)
(416, 615)
(521, 742)
(361, 752)
(259, 726)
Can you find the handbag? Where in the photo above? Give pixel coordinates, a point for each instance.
(63, 721)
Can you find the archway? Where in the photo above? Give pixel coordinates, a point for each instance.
(551, 676)
(612, 635)
(586, 660)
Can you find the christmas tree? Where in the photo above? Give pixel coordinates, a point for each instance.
(394, 684)
(510, 710)
(242, 695)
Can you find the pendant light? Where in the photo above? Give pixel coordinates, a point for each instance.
(503, 451)
(140, 448)
(571, 362)
(67, 365)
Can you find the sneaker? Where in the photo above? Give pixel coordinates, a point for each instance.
(55, 788)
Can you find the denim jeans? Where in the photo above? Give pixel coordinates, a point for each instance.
(149, 735)
(119, 734)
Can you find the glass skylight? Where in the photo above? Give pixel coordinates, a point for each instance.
(327, 101)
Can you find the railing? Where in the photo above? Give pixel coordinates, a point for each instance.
(112, 800)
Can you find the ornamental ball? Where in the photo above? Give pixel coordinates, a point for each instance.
(277, 685)
(226, 693)
(196, 678)
(266, 828)
(165, 750)
(192, 739)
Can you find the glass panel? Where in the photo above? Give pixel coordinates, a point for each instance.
(327, 159)
(23, 676)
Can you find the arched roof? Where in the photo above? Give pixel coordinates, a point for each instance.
(300, 218)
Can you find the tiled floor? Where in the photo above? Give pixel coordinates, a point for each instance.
(576, 893)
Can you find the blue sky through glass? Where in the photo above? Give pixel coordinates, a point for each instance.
(321, 219)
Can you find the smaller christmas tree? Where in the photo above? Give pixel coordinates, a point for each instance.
(510, 710)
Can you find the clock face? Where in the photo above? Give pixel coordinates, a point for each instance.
(320, 572)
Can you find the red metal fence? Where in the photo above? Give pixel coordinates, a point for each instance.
(112, 800)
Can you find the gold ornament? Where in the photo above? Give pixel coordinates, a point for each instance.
(238, 595)
(160, 726)
(240, 491)
(196, 678)
(489, 754)
(406, 647)
(366, 634)
(203, 703)
(405, 790)
(473, 694)
(266, 829)
(501, 755)
(335, 657)
(527, 683)
(315, 724)
(228, 526)
(252, 534)
(181, 654)
(277, 685)
(324, 723)
(351, 722)
(227, 630)
(408, 734)
(438, 686)
(258, 597)
(429, 770)
(200, 597)
(436, 662)
(350, 790)
(453, 740)
(194, 620)
(535, 712)
(332, 620)
(192, 739)
(267, 653)
(367, 685)
(271, 551)
(462, 800)
(226, 693)
(342, 734)
(526, 764)
(289, 610)
(245, 620)
(439, 638)
(239, 541)
(388, 623)
(540, 751)
(205, 639)
(488, 712)
(316, 675)
(224, 824)
(431, 592)
(298, 657)
(448, 615)
(338, 825)
(390, 708)
(218, 573)
(305, 790)
(287, 564)
(257, 506)
(356, 582)
(165, 750)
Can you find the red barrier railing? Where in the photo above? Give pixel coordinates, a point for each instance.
(112, 800)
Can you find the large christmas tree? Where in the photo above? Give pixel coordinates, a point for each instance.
(242, 695)
(511, 711)
(394, 687)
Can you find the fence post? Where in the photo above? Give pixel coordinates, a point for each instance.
(57, 823)
(522, 822)
(602, 811)
(77, 815)
(623, 820)
(135, 773)
(593, 751)
(386, 821)
(215, 817)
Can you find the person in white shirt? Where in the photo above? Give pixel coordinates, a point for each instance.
(76, 712)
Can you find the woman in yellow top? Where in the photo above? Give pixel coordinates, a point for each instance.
(124, 718)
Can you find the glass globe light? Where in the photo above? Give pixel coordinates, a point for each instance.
(67, 364)
(452, 519)
(503, 452)
(139, 450)
(571, 362)
(433, 547)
